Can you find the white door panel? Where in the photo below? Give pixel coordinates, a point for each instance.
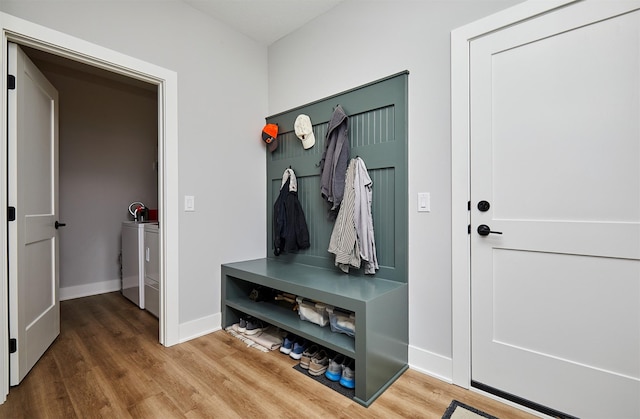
(32, 190)
(37, 280)
(530, 288)
(577, 86)
(555, 150)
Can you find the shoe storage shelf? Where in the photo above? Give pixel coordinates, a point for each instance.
(380, 345)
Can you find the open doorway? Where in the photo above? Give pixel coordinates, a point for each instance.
(108, 158)
(29, 34)
(108, 148)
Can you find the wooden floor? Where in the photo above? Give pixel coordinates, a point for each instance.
(107, 362)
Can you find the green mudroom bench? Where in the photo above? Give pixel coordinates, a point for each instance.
(379, 347)
(378, 135)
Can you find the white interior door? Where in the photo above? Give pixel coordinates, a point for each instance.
(34, 313)
(555, 152)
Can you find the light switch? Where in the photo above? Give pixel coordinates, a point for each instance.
(424, 202)
(189, 203)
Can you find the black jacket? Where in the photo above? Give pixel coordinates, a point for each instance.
(290, 232)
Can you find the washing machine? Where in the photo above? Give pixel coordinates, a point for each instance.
(133, 262)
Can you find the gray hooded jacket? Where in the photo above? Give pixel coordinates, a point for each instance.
(335, 158)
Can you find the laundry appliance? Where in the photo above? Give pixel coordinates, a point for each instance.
(133, 258)
(152, 268)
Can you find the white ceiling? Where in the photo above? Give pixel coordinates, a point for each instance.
(265, 21)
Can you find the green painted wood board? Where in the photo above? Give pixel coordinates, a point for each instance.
(378, 134)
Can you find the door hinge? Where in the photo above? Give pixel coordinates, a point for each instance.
(468, 205)
(11, 213)
(13, 346)
(469, 229)
(11, 82)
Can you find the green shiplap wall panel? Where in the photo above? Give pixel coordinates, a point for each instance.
(378, 134)
(384, 216)
(373, 127)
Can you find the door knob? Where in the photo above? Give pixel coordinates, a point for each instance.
(485, 230)
(58, 225)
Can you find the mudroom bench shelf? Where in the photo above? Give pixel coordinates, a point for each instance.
(379, 347)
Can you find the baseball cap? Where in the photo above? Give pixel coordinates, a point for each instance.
(270, 136)
(304, 131)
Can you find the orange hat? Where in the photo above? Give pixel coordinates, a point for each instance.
(270, 136)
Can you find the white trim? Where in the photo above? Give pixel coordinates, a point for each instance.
(27, 33)
(460, 182)
(200, 327)
(85, 290)
(430, 363)
(4, 278)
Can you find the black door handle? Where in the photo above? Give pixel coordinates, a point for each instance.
(485, 230)
(58, 225)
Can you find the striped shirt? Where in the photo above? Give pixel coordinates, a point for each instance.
(343, 242)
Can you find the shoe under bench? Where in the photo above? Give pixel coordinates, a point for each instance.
(380, 344)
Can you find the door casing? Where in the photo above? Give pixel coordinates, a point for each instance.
(39, 37)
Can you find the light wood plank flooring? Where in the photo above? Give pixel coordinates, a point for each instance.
(107, 363)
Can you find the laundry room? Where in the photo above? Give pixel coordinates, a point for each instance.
(108, 170)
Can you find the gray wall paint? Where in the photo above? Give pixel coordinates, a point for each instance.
(361, 41)
(108, 145)
(222, 102)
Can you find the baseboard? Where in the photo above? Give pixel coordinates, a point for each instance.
(430, 363)
(86, 290)
(199, 327)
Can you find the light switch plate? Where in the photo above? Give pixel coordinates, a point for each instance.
(424, 202)
(189, 203)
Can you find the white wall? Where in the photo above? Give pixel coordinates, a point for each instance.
(222, 89)
(108, 136)
(361, 41)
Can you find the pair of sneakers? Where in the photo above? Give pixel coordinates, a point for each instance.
(342, 369)
(293, 346)
(315, 360)
(250, 326)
